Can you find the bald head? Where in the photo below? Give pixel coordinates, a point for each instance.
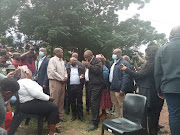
(88, 55)
(118, 52)
(72, 61)
(43, 50)
(75, 55)
(175, 32)
(58, 52)
(16, 56)
(125, 57)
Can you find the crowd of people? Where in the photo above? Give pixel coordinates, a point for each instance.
(48, 86)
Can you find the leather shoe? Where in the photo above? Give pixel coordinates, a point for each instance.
(91, 128)
(162, 131)
(161, 126)
(73, 118)
(81, 119)
(63, 119)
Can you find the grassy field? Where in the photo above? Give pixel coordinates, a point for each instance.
(70, 127)
(79, 128)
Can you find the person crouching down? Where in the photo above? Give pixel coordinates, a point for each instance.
(34, 101)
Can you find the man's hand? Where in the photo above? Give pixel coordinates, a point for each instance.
(35, 78)
(44, 86)
(136, 53)
(123, 67)
(81, 76)
(11, 74)
(84, 63)
(64, 80)
(160, 95)
(121, 93)
(51, 99)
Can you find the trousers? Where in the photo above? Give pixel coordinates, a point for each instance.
(57, 91)
(75, 96)
(95, 94)
(173, 103)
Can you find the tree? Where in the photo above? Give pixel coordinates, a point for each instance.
(77, 25)
(7, 11)
(132, 33)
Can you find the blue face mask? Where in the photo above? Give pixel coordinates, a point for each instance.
(114, 57)
(41, 54)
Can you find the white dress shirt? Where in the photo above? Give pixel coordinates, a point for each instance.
(74, 76)
(30, 90)
(40, 62)
(87, 71)
(111, 71)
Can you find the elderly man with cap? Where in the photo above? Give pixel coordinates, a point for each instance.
(167, 78)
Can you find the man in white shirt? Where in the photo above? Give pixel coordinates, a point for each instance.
(75, 83)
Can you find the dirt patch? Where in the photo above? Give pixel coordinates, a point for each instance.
(164, 118)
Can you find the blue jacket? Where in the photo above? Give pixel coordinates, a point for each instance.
(42, 72)
(121, 80)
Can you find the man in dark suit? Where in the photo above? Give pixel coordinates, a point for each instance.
(94, 77)
(41, 73)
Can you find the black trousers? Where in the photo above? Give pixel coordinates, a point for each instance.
(46, 108)
(95, 94)
(75, 97)
(66, 100)
(87, 98)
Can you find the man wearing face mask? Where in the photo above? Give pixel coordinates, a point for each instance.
(41, 71)
(75, 83)
(120, 81)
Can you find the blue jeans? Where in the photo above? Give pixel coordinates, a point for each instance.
(173, 102)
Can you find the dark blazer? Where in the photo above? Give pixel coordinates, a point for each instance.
(121, 80)
(80, 70)
(42, 72)
(146, 83)
(96, 76)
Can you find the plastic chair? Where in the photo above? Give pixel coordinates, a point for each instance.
(134, 109)
(19, 117)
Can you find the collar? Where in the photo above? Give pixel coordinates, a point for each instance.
(74, 67)
(58, 58)
(175, 38)
(41, 59)
(91, 59)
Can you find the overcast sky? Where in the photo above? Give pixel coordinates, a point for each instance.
(163, 14)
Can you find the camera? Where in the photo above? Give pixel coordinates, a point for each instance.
(134, 57)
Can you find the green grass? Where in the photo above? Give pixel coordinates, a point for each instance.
(70, 127)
